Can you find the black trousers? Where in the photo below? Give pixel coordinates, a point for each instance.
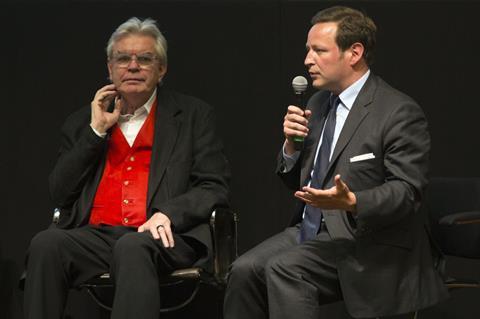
(60, 259)
(281, 279)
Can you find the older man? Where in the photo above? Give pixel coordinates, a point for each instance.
(138, 174)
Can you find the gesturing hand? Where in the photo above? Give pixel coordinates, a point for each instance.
(159, 226)
(336, 197)
(101, 119)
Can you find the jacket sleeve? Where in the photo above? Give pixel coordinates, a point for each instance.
(406, 146)
(79, 154)
(290, 178)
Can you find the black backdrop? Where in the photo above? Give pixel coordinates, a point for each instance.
(240, 57)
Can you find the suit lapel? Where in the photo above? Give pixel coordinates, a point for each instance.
(167, 127)
(356, 115)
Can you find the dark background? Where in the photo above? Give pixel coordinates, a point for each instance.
(240, 56)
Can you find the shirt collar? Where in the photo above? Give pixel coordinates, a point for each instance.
(149, 104)
(145, 108)
(349, 95)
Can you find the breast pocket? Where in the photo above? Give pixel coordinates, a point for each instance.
(366, 173)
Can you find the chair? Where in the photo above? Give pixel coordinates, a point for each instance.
(453, 206)
(223, 225)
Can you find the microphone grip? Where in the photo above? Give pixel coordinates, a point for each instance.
(298, 140)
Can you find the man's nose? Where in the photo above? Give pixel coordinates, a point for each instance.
(308, 58)
(133, 64)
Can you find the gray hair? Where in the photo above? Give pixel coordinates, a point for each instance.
(136, 26)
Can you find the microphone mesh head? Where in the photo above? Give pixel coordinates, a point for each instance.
(299, 84)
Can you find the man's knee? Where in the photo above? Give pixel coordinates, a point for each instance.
(131, 244)
(47, 242)
(246, 267)
(280, 264)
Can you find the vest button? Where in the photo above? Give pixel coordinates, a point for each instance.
(125, 220)
(129, 168)
(126, 183)
(132, 158)
(125, 201)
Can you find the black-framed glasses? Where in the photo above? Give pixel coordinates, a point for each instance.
(123, 60)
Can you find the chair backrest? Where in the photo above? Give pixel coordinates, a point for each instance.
(446, 198)
(223, 224)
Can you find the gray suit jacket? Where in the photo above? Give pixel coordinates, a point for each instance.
(188, 172)
(385, 263)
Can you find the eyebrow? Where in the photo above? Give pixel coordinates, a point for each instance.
(124, 52)
(314, 46)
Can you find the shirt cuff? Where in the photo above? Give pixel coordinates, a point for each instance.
(290, 160)
(102, 135)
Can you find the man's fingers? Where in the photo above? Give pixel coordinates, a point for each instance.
(290, 133)
(154, 231)
(308, 114)
(313, 191)
(295, 126)
(118, 105)
(108, 87)
(338, 182)
(305, 197)
(341, 186)
(169, 235)
(104, 91)
(101, 96)
(291, 119)
(300, 195)
(292, 109)
(165, 235)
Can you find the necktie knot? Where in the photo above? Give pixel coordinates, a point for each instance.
(334, 102)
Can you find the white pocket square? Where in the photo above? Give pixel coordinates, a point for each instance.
(362, 157)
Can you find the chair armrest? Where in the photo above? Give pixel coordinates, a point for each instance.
(223, 223)
(462, 218)
(454, 283)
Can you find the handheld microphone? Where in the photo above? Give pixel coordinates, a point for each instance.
(299, 85)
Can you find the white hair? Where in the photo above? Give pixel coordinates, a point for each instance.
(136, 26)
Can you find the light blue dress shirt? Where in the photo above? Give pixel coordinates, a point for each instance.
(347, 98)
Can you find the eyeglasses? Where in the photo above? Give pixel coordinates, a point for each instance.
(123, 60)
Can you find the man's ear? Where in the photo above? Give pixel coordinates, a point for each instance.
(357, 50)
(162, 70)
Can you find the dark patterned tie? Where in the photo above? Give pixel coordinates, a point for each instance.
(313, 215)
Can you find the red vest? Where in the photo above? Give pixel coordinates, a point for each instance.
(121, 197)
